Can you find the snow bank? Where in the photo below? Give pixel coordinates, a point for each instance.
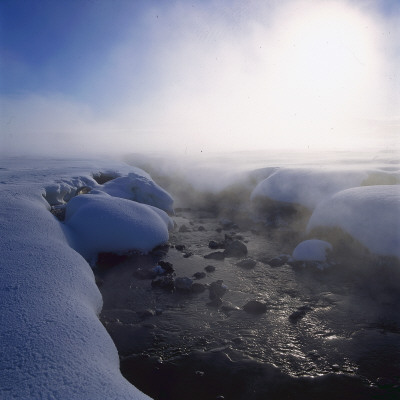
(371, 214)
(306, 187)
(311, 250)
(100, 222)
(53, 344)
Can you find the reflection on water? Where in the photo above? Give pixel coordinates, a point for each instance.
(341, 322)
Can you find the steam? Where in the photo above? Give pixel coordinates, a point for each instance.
(263, 75)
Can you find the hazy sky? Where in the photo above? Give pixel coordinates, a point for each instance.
(192, 76)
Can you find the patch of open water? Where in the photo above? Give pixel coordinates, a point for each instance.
(332, 333)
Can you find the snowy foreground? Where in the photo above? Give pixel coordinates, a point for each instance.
(53, 344)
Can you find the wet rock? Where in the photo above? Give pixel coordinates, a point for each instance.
(255, 307)
(188, 254)
(199, 275)
(198, 287)
(216, 245)
(214, 303)
(219, 230)
(146, 313)
(180, 247)
(210, 268)
(235, 248)
(247, 263)
(275, 262)
(184, 228)
(108, 259)
(299, 314)
(183, 284)
(167, 266)
(201, 228)
(217, 255)
(143, 273)
(164, 282)
(217, 289)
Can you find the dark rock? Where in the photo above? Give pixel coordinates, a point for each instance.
(167, 266)
(299, 314)
(247, 263)
(201, 228)
(188, 254)
(275, 262)
(219, 230)
(183, 284)
(107, 259)
(235, 248)
(180, 247)
(164, 282)
(255, 307)
(198, 287)
(146, 313)
(214, 302)
(59, 212)
(184, 228)
(218, 255)
(210, 268)
(217, 290)
(199, 275)
(216, 245)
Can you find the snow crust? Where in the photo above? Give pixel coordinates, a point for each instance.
(371, 214)
(53, 344)
(306, 186)
(311, 250)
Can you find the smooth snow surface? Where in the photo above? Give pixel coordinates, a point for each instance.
(141, 188)
(311, 250)
(370, 214)
(52, 342)
(101, 222)
(306, 187)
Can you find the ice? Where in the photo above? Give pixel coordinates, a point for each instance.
(53, 344)
(312, 250)
(370, 214)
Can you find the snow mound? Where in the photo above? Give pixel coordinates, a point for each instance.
(370, 214)
(102, 223)
(312, 250)
(306, 187)
(140, 188)
(53, 345)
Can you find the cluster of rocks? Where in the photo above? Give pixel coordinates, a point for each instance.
(232, 247)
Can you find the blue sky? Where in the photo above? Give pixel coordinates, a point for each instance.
(160, 71)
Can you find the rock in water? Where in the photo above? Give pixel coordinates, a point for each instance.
(217, 290)
(255, 307)
(235, 248)
(184, 284)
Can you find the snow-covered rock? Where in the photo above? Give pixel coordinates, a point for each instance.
(99, 222)
(141, 188)
(306, 186)
(311, 250)
(52, 342)
(371, 214)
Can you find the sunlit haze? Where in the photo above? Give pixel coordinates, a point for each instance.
(191, 77)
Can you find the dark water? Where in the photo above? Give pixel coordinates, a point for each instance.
(331, 334)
